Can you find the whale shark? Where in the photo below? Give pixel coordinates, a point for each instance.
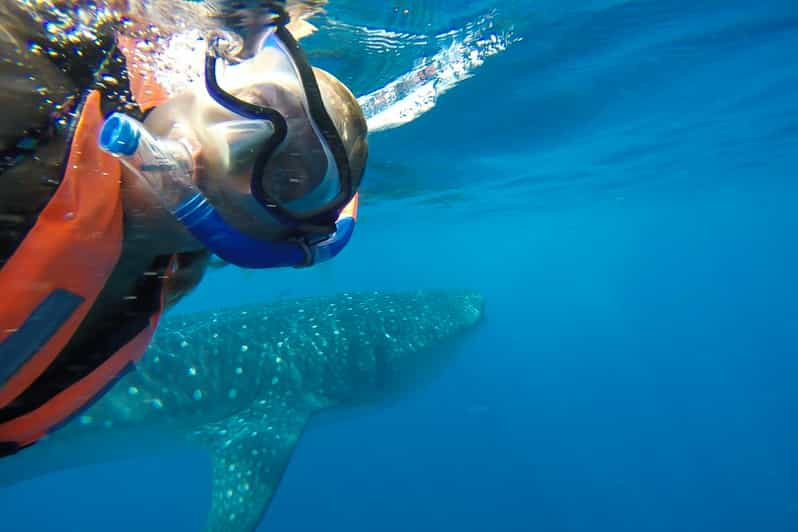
(243, 383)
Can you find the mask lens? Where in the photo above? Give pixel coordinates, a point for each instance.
(299, 176)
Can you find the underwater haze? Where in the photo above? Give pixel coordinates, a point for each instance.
(620, 184)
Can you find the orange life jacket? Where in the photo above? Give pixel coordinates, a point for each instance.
(54, 277)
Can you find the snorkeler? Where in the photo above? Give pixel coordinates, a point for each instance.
(114, 196)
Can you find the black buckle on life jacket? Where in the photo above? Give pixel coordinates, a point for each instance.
(8, 448)
(24, 147)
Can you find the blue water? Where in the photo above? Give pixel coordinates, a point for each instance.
(621, 185)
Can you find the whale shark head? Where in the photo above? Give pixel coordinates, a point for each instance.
(244, 382)
(388, 344)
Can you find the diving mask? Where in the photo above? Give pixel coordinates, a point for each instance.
(300, 190)
(167, 166)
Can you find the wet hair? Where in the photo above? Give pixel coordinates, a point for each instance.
(347, 115)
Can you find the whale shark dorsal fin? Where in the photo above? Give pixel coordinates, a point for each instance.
(249, 453)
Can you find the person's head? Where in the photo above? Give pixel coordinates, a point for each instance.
(244, 167)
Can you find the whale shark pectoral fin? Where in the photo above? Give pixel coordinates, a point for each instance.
(249, 453)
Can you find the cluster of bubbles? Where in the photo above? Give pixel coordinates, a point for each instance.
(70, 22)
(167, 37)
(417, 91)
(142, 28)
(167, 40)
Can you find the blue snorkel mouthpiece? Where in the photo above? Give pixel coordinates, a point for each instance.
(167, 166)
(119, 136)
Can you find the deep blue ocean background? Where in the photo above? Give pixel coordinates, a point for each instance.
(621, 185)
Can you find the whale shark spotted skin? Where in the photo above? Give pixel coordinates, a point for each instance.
(243, 383)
